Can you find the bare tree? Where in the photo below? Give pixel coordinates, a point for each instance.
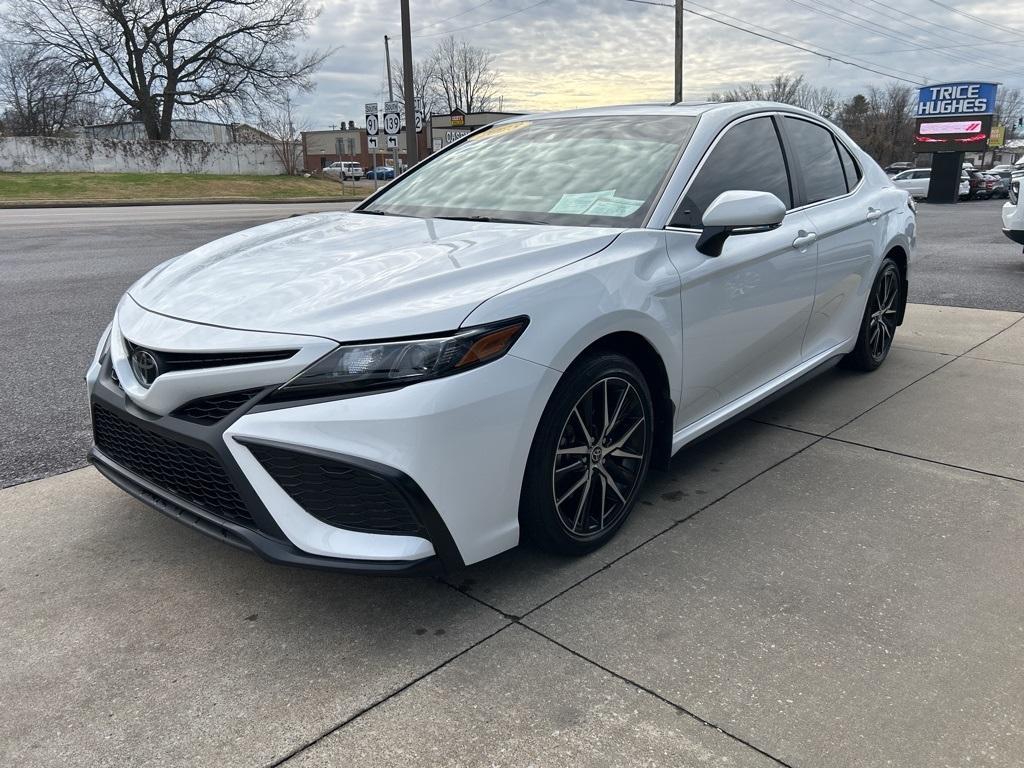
(1009, 109)
(464, 76)
(787, 89)
(882, 122)
(39, 96)
(278, 122)
(158, 55)
(424, 85)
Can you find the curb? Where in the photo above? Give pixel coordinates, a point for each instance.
(171, 201)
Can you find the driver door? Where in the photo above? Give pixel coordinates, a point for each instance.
(745, 311)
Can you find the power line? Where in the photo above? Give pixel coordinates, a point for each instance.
(454, 16)
(943, 27)
(837, 57)
(872, 27)
(486, 21)
(978, 19)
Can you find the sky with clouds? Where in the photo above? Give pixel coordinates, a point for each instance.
(558, 54)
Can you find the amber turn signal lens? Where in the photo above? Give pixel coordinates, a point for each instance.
(492, 345)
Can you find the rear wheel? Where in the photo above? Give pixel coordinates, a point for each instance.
(590, 456)
(878, 326)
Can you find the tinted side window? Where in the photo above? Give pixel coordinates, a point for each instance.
(850, 167)
(748, 156)
(818, 158)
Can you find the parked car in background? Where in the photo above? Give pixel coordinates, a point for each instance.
(1002, 179)
(477, 355)
(914, 181)
(895, 168)
(1013, 211)
(965, 187)
(344, 171)
(381, 172)
(1001, 168)
(981, 185)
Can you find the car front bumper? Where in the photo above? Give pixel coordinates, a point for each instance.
(451, 451)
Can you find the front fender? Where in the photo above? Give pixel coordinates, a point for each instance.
(630, 286)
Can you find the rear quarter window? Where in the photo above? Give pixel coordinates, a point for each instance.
(818, 158)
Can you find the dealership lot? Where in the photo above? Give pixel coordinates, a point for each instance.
(64, 270)
(834, 581)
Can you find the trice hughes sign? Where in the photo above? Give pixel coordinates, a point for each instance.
(954, 117)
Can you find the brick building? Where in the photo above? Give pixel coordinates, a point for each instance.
(321, 148)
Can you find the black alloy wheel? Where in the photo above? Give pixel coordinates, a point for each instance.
(878, 326)
(590, 456)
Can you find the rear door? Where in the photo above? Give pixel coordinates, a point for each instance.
(849, 220)
(745, 311)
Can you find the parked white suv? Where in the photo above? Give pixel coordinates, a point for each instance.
(1013, 210)
(344, 171)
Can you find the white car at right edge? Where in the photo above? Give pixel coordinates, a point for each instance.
(1013, 211)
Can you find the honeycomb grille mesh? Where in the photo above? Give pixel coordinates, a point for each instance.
(193, 474)
(210, 410)
(339, 494)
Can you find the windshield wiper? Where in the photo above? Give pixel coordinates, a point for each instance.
(374, 212)
(490, 219)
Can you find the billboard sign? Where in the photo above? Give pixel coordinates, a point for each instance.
(954, 117)
(956, 99)
(952, 134)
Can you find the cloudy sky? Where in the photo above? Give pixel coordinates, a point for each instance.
(557, 54)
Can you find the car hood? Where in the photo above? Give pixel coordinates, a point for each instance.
(351, 276)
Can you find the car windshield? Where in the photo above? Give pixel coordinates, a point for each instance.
(579, 171)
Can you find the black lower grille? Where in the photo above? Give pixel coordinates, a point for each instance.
(191, 473)
(339, 494)
(210, 410)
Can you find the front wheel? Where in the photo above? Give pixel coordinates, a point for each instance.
(589, 457)
(878, 325)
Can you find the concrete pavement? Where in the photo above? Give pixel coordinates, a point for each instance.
(833, 582)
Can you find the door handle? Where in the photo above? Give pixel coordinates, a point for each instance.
(873, 215)
(805, 239)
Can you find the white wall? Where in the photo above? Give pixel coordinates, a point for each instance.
(34, 154)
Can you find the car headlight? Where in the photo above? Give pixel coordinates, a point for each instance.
(358, 368)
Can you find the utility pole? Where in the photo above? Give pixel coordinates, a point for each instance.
(412, 139)
(391, 97)
(679, 52)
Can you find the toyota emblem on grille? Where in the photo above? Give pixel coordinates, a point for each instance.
(145, 366)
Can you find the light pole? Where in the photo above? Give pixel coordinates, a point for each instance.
(679, 52)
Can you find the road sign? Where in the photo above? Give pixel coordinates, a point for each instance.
(372, 122)
(419, 121)
(371, 142)
(392, 142)
(392, 118)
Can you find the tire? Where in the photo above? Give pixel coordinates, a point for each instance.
(878, 326)
(577, 489)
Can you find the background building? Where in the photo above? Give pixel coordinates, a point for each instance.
(321, 148)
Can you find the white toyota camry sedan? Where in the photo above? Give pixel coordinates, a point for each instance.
(481, 353)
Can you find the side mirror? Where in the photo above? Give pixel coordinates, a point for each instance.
(738, 212)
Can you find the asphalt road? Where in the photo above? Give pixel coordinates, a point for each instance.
(964, 260)
(63, 271)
